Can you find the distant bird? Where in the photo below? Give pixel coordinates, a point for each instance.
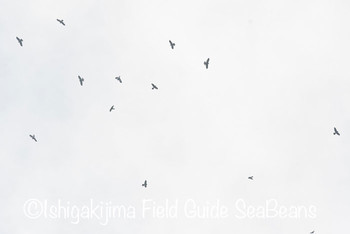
(112, 108)
(20, 41)
(172, 44)
(153, 86)
(336, 132)
(145, 184)
(61, 21)
(33, 137)
(250, 177)
(118, 79)
(81, 80)
(206, 63)
(312, 232)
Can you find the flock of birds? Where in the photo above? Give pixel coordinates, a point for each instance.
(172, 45)
(81, 81)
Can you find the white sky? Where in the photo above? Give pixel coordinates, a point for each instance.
(277, 84)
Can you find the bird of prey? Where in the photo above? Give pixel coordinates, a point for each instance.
(153, 86)
(250, 177)
(61, 21)
(81, 80)
(20, 41)
(206, 63)
(33, 137)
(336, 132)
(145, 184)
(172, 44)
(112, 108)
(118, 79)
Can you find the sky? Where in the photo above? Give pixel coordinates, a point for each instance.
(277, 84)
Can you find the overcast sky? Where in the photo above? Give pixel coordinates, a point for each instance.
(277, 84)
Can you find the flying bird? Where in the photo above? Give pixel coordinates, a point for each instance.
(172, 44)
(145, 184)
(153, 86)
(336, 132)
(112, 108)
(206, 63)
(61, 21)
(312, 232)
(33, 137)
(81, 80)
(118, 79)
(250, 177)
(20, 41)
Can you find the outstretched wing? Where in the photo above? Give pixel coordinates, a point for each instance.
(171, 44)
(33, 137)
(60, 21)
(336, 131)
(19, 41)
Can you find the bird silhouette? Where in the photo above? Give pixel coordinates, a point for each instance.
(112, 108)
(145, 184)
(250, 177)
(20, 41)
(336, 132)
(154, 86)
(61, 22)
(206, 63)
(33, 137)
(118, 79)
(172, 44)
(312, 232)
(81, 80)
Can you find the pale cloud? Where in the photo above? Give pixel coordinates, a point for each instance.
(276, 86)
